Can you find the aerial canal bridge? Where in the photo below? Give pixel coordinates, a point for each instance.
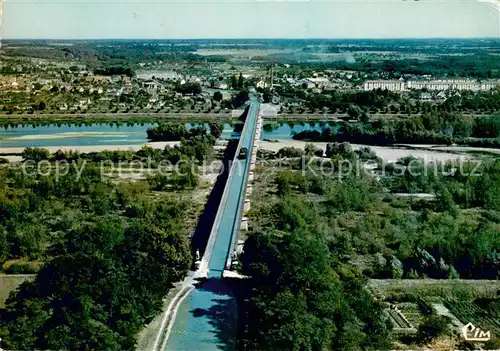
(204, 314)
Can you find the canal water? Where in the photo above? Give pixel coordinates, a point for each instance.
(208, 318)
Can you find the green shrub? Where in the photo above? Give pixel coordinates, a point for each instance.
(433, 326)
(23, 268)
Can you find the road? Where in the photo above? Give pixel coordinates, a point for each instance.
(207, 318)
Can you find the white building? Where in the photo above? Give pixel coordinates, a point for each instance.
(437, 84)
(319, 82)
(261, 84)
(425, 96)
(445, 84)
(306, 83)
(393, 85)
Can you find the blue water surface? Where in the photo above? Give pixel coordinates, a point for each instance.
(106, 134)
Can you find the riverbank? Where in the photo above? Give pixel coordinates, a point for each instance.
(17, 151)
(387, 153)
(66, 135)
(461, 149)
(189, 115)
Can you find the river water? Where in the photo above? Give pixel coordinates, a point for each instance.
(105, 134)
(98, 137)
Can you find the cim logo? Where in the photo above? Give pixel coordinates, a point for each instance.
(471, 333)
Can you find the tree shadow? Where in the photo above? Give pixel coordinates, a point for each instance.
(222, 313)
(206, 221)
(244, 114)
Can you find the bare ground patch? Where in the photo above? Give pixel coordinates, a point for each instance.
(10, 282)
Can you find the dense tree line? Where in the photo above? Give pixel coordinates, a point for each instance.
(314, 238)
(449, 240)
(106, 252)
(197, 148)
(114, 70)
(88, 121)
(36, 209)
(112, 53)
(178, 131)
(189, 88)
(301, 296)
(456, 234)
(237, 83)
(484, 101)
(109, 252)
(434, 128)
(338, 101)
(384, 101)
(107, 279)
(173, 132)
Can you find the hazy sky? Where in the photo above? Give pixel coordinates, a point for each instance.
(249, 19)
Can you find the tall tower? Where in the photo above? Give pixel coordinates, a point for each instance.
(271, 76)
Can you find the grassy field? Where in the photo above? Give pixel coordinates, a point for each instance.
(241, 52)
(9, 283)
(434, 287)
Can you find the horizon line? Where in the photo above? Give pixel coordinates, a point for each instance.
(263, 38)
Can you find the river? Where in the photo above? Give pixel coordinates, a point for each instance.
(97, 137)
(106, 134)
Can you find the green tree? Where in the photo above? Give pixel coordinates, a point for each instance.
(267, 96)
(433, 327)
(186, 174)
(4, 245)
(216, 130)
(159, 181)
(240, 98)
(29, 240)
(343, 150)
(35, 154)
(445, 201)
(240, 81)
(487, 127)
(217, 96)
(290, 152)
(234, 82)
(311, 150)
(106, 280)
(354, 111)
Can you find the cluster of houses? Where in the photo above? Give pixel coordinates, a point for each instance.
(159, 86)
(318, 82)
(440, 95)
(12, 83)
(88, 89)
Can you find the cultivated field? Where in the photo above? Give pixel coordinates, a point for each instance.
(434, 287)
